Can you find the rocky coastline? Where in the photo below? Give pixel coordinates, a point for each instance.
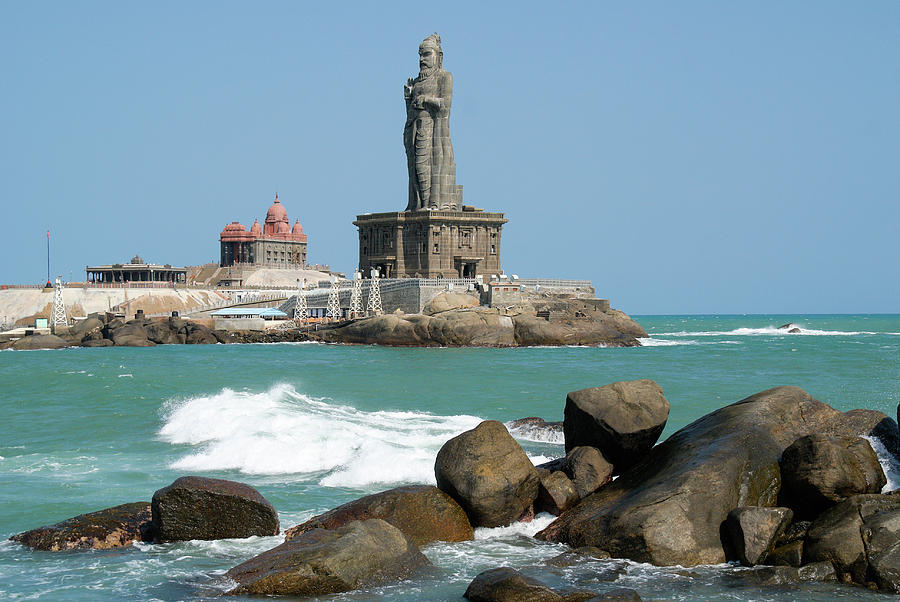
(442, 324)
(778, 483)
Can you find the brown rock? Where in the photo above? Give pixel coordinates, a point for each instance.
(328, 561)
(486, 471)
(556, 494)
(40, 341)
(623, 420)
(114, 527)
(204, 508)
(669, 508)
(818, 471)
(586, 467)
(750, 532)
(423, 513)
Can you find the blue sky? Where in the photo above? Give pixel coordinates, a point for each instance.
(687, 157)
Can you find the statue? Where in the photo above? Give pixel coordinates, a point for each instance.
(426, 135)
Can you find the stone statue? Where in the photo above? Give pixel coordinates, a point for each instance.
(426, 135)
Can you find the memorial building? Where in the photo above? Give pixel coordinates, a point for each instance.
(437, 236)
(274, 244)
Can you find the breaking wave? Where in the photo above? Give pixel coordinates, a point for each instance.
(282, 431)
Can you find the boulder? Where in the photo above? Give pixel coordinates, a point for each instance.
(129, 334)
(97, 343)
(327, 561)
(163, 333)
(531, 331)
(509, 585)
(488, 473)
(669, 508)
(750, 532)
(83, 327)
(586, 467)
(40, 341)
(788, 550)
(842, 534)
(623, 420)
(423, 512)
(884, 569)
(204, 508)
(450, 300)
(869, 423)
(818, 471)
(197, 334)
(556, 493)
(625, 594)
(114, 527)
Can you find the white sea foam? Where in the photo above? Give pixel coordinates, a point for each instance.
(537, 434)
(889, 464)
(653, 342)
(282, 431)
(540, 522)
(764, 331)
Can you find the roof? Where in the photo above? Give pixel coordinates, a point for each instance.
(250, 312)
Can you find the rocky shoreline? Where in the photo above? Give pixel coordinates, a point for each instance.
(780, 483)
(453, 326)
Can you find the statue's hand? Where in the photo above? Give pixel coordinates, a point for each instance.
(432, 101)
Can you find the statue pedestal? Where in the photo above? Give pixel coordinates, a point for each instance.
(430, 244)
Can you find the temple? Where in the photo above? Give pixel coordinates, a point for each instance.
(135, 270)
(273, 244)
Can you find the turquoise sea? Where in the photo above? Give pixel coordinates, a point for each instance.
(313, 426)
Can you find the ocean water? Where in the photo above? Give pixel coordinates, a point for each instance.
(314, 426)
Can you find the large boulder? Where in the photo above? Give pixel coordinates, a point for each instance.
(750, 532)
(586, 467)
(818, 471)
(129, 334)
(204, 508)
(423, 512)
(165, 333)
(114, 527)
(623, 420)
(40, 341)
(488, 473)
(450, 300)
(328, 561)
(533, 331)
(853, 533)
(505, 584)
(669, 508)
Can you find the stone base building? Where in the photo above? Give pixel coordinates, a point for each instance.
(135, 270)
(275, 244)
(430, 244)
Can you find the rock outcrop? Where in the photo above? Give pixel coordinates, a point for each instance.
(623, 420)
(488, 473)
(855, 534)
(448, 301)
(40, 341)
(556, 494)
(749, 533)
(585, 466)
(668, 509)
(818, 471)
(485, 327)
(204, 508)
(423, 513)
(328, 561)
(114, 527)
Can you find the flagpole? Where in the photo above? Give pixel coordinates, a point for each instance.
(48, 257)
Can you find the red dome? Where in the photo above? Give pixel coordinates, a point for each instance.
(256, 228)
(235, 227)
(277, 212)
(298, 229)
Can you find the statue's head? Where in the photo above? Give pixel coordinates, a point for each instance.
(430, 54)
